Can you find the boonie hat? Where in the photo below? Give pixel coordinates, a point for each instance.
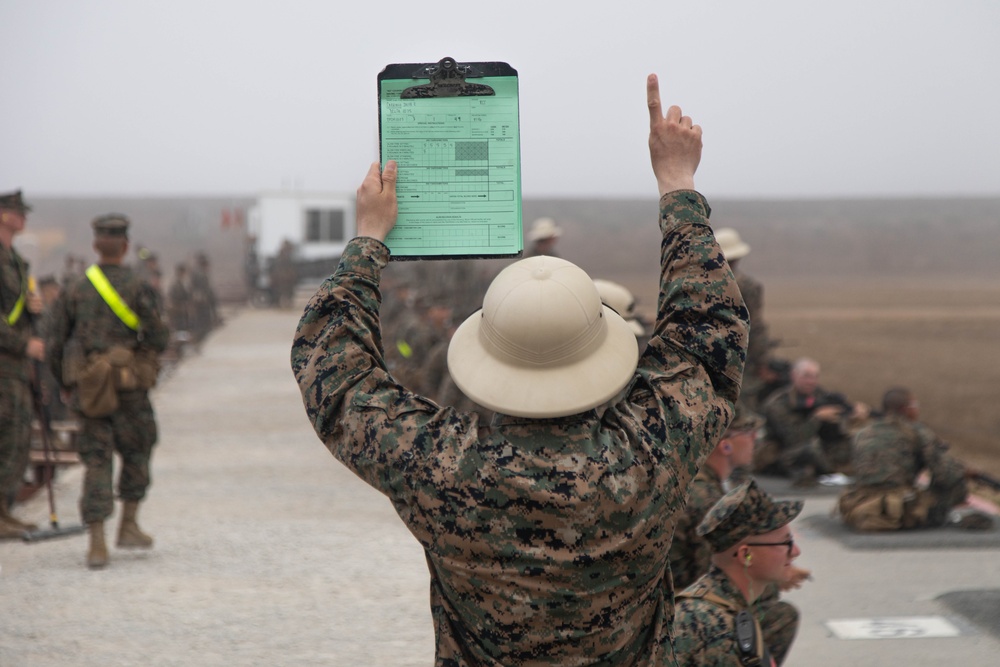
(543, 345)
(544, 228)
(621, 300)
(732, 245)
(112, 224)
(13, 201)
(746, 510)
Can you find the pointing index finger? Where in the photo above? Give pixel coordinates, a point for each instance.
(653, 99)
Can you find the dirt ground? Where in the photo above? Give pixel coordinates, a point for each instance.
(938, 339)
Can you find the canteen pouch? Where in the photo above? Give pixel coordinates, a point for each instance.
(147, 367)
(95, 387)
(879, 511)
(123, 361)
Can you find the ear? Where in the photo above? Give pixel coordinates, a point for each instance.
(725, 446)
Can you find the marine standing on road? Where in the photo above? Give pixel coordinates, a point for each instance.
(546, 533)
(111, 315)
(752, 549)
(18, 347)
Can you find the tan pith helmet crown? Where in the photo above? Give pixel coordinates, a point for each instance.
(732, 245)
(621, 300)
(543, 345)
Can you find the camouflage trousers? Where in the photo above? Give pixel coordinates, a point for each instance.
(130, 431)
(779, 621)
(15, 433)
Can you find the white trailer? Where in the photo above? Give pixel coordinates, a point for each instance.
(317, 224)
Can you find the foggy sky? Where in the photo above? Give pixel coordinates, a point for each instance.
(797, 99)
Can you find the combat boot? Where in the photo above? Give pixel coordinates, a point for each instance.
(7, 518)
(97, 556)
(129, 535)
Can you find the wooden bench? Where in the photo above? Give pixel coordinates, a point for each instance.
(62, 452)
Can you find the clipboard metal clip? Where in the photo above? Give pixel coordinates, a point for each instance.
(447, 80)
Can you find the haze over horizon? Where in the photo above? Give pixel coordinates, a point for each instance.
(798, 101)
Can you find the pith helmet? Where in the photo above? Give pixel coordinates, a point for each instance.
(746, 510)
(13, 201)
(543, 345)
(544, 228)
(618, 297)
(732, 245)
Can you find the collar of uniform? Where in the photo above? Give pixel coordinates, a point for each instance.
(500, 419)
(723, 586)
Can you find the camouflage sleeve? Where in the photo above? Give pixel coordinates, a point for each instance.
(700, 311)
(13, 339)
(785, 425)
(946, 470)
(60, 326)
(155, 333)
(388, 436)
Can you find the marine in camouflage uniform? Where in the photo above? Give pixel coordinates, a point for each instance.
(809, 442)
(739, 529)
(18, 346)
(691, 554)
(889, 455)
(84, 318)
(546, 538)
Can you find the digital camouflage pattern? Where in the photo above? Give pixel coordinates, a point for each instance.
(15, 366)
(82, 317)
(889, 454)
(546, 540)
(744, 511)
(705, 629)
(802, 439)
(690, 555)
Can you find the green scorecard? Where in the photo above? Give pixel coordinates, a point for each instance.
(453, 129)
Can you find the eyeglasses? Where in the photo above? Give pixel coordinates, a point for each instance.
(790, 543)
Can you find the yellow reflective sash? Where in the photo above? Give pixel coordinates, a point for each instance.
(15, 314)
(111, 297)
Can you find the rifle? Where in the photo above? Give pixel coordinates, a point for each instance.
(983, 479)
(42, 414)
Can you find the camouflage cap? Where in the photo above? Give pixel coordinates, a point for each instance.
(13, 201)
(112, 224)
(745, 511)
(744, 420)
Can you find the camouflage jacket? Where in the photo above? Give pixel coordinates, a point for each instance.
(82, 315)
(790, 421)
(892, 452)
(759, 345)
(546, 539)
(690, 555)
(706, 631)
(13, 339)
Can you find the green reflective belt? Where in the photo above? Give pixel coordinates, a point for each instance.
(15, 314)
(111, 297)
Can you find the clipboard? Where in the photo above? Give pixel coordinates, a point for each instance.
(454, 130)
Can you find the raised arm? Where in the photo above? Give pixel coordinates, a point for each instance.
(700, 310)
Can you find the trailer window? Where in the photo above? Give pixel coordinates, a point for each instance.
(324, 225)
